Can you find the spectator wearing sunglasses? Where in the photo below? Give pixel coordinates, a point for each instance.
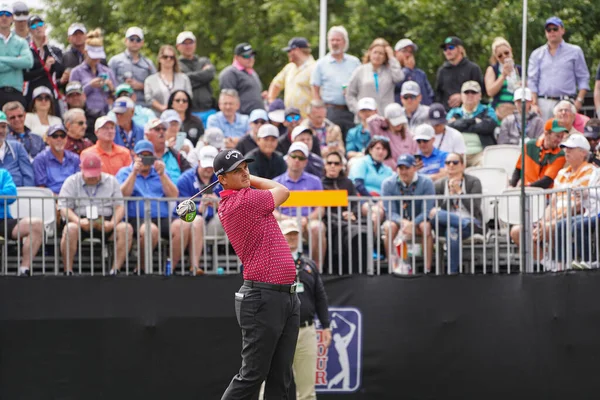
(17, 58)
(131, 66)
(76, 125)
(502, 78)
(54, 164)
(307, 136)
(291, 121)
(42, 111)
(257, 119)
(233, 124)
(456, 70)
(329, 134)
(181, 101)
(404, 51)
(32, 143)
(20, 16)
(15, 160)
(429, 159)
(410, 97)
(557, 71)
(242, 77)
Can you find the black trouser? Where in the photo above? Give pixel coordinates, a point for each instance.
(341, 117)
(269, 321)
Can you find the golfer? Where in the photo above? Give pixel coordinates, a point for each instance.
(266, 306)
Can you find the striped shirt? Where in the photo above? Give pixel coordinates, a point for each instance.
(584, 176)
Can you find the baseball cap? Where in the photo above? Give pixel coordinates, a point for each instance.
(410, 87)
(424, 132)
(169, 116)
(6, 7)
(134, 31)
(95, 52)
(276, 111)
(214, 137)
(100, 122)
(228, 160)
(437, 114)
(243, 49)
(406, 160)
(288, 226)
(74, 27)
(296, 43)
(153, 123)
(470, 85)
(367, 103)
(520, 93)
(185, 35)
(40, 90)
(206, 156)
(291, 110)
(453, 40)
(576, 141)
(403, 43)
(590, 132)
(20, 7)
(33, 19)
(91, 165)
(300, 129)
(123, 87)
(257, 114)
(122, 104)
(74, 87)
(395, 114)
(142, 146)
(299, 146)
(554, 20)
(52, 129)
(552, 125)
(3, 118)
(267, 130)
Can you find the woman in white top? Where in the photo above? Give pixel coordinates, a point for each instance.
(376, 78)
(41, 113)
(158, 87)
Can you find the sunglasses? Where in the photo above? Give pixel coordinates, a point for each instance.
(452, 162)
(292, 118)
(180, 101)
(5, 14)
(260, 122)
(37, 25)
(159, 128)
(422, 141)
(449, 47)
(300, 158)
(135, 39)
(409, 97)
(247, 56)
(552, 29)
(21, 13)
(503, 54)
(168, 57)
(58, 136)
(43, 98)
(336, 163)
(470, 92)
(80, 123)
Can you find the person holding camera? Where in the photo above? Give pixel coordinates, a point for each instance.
(113, 156)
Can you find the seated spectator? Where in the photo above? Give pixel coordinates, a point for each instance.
(447, 138)
(15, 158)
(358, 137)
(430, 161)
(33, 144)
(415, 112)
(456, 217)
(329, 134)
(511, 127)
(305, 135)
(502, 77)
(28, 230)
(268, 163)
(212, 137)
(404, 51)
(207, 219)
(566, 114)
(292, 120)
(394, 126)
(169, 78)
(91, 203)
(175, 163)
(233, 124)
(476, 121)
(54, 164)
(141, 114)
(174, 137)
(76, 125)
(128, 133)
(42, 111)
(113, 156)
(592, 134)
(369, 172)
(75, 98)
(146, 177)
(180, 101)
(277, 115)
(257, 119)
(96, 78)
(296, 178)
(408, 217)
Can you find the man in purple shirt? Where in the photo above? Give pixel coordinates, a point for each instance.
(556, 71)
(54, 165)
(296, 178)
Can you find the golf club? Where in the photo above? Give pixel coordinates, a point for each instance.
(186, 210)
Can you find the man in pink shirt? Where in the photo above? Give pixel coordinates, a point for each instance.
(266, 306)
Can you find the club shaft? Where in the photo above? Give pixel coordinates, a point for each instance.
(204, 190)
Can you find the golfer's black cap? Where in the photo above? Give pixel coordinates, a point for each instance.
(228, 160)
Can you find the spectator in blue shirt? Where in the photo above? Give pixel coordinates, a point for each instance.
(54, 165)
(128, 132)
(14, 158)
(429, 160)
(175, 163)
(358, 137)
(369, 172)
(408, 215)
(15, 112)
(404, 51)
(233, 124)
(147, 178)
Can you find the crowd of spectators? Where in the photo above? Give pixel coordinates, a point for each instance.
(80, 123)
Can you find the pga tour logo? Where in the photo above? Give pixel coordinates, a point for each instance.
(339, 367)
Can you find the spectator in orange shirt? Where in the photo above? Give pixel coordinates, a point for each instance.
(113, 156)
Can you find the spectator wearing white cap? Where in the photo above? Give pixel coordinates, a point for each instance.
(256, 119)
(128, 132)
(331, 76)
(429, 159)
(411, 98)
(405, 50)
(304, 134)
(176, 139)
(42, 111)
(16, 58)
(169, 78)
(201, 72)
(75, 53)
(329, 134)
(131, 66)
(268, 162)
(511, 129)
(212, 137)
(20, 17)
(155, 132)
(359, 136)
(113, 156)
(242, 77)
(141, 114)
(447, 138)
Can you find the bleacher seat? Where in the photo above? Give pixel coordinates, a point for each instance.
(501, 155)
(35, 202)
(509, 207)
(493, 182)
